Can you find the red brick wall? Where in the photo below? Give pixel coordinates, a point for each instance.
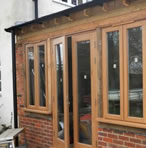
(38, 132)
(38, 128)
(113, 138)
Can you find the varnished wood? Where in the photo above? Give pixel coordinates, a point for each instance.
(36, 107)
(56, 21)
(122, 123)
(125, 3)
(91, 36)
(105, 72)
(97, 76)
(85, 12)
(57, 141)
(126, 77)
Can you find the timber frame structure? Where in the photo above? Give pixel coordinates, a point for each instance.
(66, 94)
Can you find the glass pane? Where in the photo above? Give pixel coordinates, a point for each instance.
(84, 92)
(60, 99)
(41, 68)
(113, 73)
(31, 74)
(135, 70)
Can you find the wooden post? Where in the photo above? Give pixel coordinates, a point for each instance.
(85, 12)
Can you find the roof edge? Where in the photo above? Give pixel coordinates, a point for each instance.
(65, 12)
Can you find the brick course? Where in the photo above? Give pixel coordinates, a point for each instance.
(111, 138)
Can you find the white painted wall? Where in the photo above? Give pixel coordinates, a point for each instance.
(50, 6)
(12, 12)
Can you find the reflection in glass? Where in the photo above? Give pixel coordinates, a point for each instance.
(135, 70)
(31, 75)
(113, 73)
(84, 92)
(60, 99)
(41, 69)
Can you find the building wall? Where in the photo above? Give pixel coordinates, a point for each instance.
(39, 127)
(47, 7)
(121, 138)
(11, 13)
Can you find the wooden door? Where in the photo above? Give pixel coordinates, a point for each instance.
(83, 53)
(60, 93)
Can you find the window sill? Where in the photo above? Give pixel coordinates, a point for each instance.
(122, 123)
(37, 111)
(64, 3)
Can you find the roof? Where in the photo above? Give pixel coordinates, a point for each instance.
(66, 12)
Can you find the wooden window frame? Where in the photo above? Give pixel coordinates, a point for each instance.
(123, 48)
(37, 108)
(105, 72)
(125, 40)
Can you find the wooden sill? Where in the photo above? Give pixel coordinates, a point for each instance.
(37, 111)
(122, 123)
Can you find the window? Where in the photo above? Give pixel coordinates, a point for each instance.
(124, 68)
(36, 77)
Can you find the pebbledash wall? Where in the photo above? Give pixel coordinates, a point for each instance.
(38, 127)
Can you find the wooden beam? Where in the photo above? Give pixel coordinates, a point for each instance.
(85, 12)
(22, 31)
(125, 3)
(43, 25)
(55, 21)
(69, 18)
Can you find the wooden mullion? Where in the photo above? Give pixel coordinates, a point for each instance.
(121, 72)
(27, 91)
(47, 75)
(97, 76)
(36, 76)
(93, 63)
(144, 70)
